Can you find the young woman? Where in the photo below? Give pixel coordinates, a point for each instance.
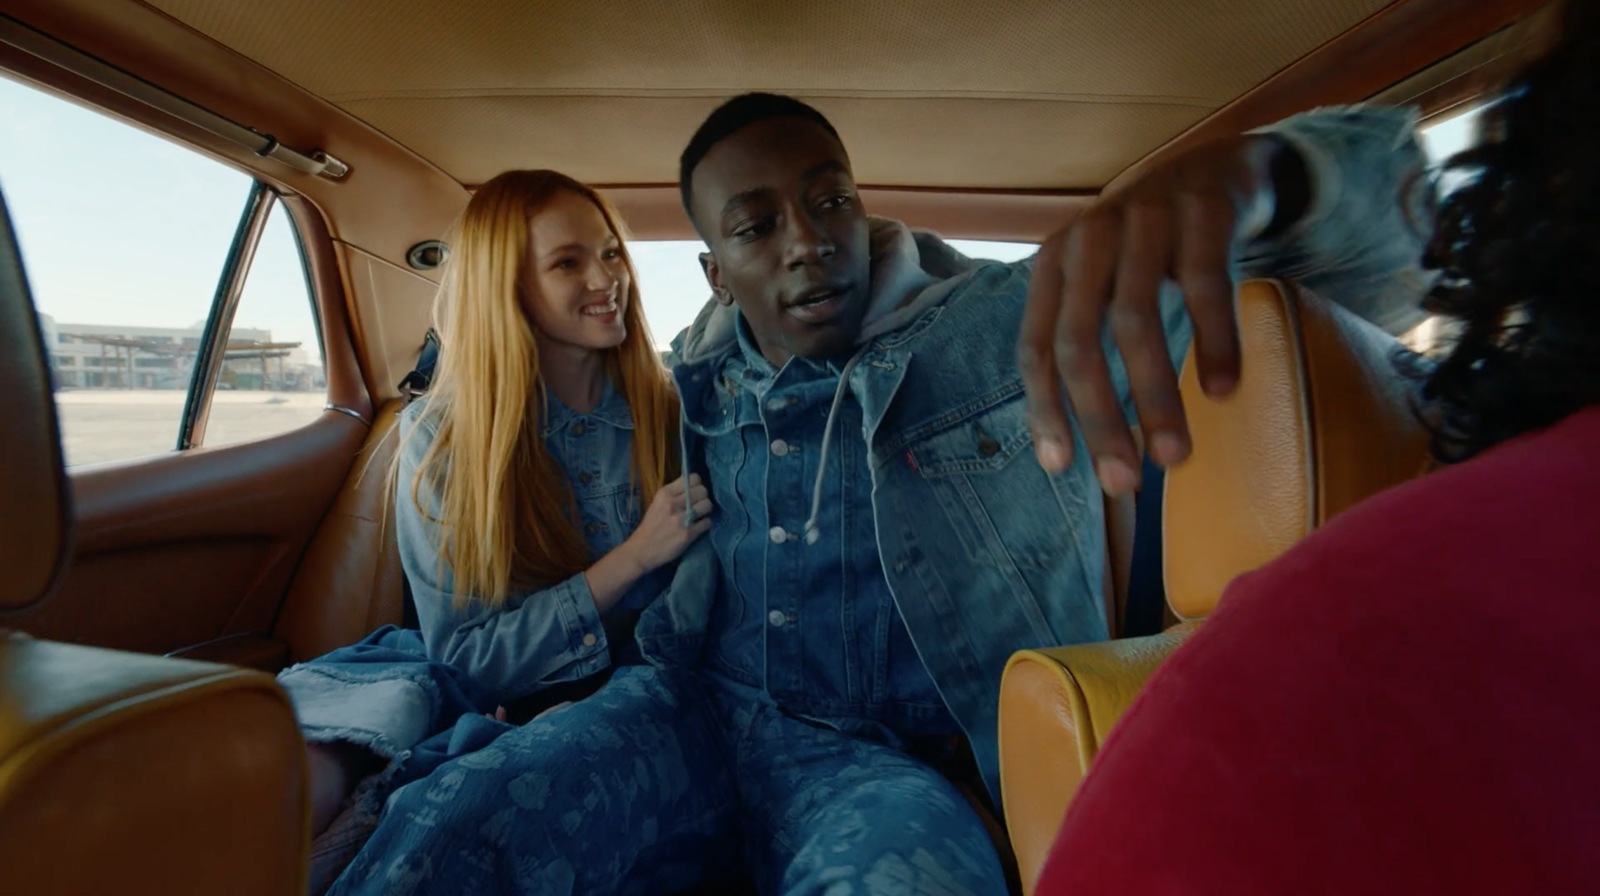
(519, 483)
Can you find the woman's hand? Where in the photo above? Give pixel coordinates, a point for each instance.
(666, 531)
(663, 535)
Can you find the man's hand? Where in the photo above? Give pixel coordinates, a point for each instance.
(1178, 221)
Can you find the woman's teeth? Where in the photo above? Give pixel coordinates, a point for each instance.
(599, 310)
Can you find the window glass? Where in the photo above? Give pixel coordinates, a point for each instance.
(124, 236)
(1447, 135)
(674, 288)
(1442, 138)
(272, 378)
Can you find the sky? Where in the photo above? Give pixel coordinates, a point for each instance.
(119, 226)
(1448, 136)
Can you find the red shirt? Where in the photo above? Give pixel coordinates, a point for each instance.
(1407, 702)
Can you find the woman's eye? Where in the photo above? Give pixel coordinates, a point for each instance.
(567, 264)
(834, 203)
(612, 254)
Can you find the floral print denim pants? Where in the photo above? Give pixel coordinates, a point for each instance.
(664, 782)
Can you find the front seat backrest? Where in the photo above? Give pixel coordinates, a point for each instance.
(1321, 420)
(35, 525)
(121, 772)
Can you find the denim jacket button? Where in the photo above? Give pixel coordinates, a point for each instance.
(589, 640)
(579, 429)
(780, 447)
(778, 535)
(776, 617)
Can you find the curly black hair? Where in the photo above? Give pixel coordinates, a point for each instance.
(1518, 250)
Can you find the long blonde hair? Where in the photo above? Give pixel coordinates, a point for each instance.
(506, 507)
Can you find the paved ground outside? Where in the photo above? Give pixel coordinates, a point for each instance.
(100, 425)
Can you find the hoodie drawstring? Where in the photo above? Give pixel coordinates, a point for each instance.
(683, 466)
(905, 263)
(813, 530)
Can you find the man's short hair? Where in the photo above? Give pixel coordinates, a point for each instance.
(729, 118)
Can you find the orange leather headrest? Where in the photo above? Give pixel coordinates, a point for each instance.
(1321, 420)
(35, 515)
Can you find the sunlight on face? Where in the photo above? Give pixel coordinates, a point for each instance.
(575, 288)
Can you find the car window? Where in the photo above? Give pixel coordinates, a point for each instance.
(1442, 138)
(271, 379)
(674, 288)
(1449, 134)
(126, 237)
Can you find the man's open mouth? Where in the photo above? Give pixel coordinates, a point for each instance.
(818, 305)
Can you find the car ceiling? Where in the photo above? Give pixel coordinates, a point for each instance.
(1031, 94)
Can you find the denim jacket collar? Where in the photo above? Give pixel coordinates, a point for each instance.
(753, 357)
(762, 371)
(612, 411)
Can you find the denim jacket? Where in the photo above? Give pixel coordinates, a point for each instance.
(372, 694)
(548, 635)
(805, 616)
(984, 553)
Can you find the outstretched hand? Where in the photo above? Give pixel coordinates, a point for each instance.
(1107, 266)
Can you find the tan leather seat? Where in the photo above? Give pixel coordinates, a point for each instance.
(1121, 524)
(350, 581)
(1321, 421)
(120, 772)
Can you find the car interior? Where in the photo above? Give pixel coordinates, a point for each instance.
(144, 746)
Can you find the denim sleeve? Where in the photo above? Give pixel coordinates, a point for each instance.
(1360, 243)
(537, 639)
(382, 693)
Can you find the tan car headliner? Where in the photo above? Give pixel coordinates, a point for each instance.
(1026, 94)
(991, 122)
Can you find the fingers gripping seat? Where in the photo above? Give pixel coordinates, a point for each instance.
(1320, 421)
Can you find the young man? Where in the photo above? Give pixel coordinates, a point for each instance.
(884, 542)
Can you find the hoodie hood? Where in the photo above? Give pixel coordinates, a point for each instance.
(907, 266)
(904, 262)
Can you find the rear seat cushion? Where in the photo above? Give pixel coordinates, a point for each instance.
(350, 581)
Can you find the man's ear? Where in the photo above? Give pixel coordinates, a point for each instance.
(708, 264)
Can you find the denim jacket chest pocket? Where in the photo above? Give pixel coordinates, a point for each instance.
(980, 469)
(600, 470)
(626, 508)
